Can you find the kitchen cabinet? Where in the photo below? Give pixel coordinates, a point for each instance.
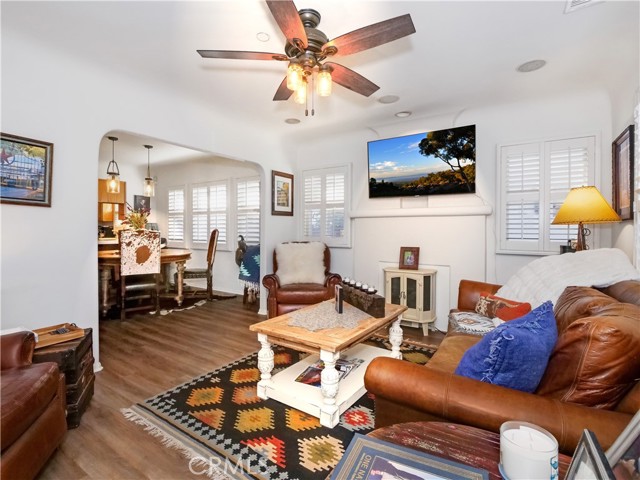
(107, 201)
(415, 289)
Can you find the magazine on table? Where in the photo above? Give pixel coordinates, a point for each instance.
(369, 458)
(311, 374)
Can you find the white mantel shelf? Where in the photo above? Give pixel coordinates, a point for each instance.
(462, 211)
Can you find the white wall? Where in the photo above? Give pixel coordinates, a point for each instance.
(49, 270)
(464, 239)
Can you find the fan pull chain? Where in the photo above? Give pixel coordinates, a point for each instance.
(313, 95)
(306, 100)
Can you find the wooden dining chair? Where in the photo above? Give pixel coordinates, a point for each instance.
(206, 272)
(139, 271)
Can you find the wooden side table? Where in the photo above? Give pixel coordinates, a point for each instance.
(75, 360)
(460, 443)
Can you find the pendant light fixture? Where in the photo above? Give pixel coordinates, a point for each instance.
(149, 185)
(113, 183)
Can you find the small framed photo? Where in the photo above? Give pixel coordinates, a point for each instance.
(140, 202)
(622, 159)
(624, 454)
(409, 258)
(281, 193)
(25, 171)
(589, 461)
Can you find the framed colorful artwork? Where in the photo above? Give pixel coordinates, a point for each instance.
(622, 159)
(281, 193)
(25, 171)
(409, 258)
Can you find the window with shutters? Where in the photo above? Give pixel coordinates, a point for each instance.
(325, 206)
(248, 210)
(534, 181)
(175, 215)
(208, 211)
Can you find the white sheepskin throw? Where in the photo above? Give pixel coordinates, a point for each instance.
(300, 262)
(547, 277)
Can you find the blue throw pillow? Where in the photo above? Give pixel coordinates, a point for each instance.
(514, 354)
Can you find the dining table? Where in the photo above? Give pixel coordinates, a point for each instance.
(109, 267)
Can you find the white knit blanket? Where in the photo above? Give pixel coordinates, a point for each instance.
(547, 277)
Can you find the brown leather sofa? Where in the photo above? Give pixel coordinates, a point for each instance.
(287, 298)
(591, 380)
(33, 408)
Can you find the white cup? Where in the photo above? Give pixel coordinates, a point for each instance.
(527, 452)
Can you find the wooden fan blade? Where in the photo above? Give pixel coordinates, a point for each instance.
(283, 93)
(349, 79)
(241, 55)
(372, 35)
(287, 18)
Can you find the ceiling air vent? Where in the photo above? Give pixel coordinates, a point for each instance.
(573, 5)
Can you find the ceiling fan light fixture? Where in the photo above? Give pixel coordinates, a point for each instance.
(294, 76)
(148, 189)
(324, 82)
(113, 183)
(300, 94)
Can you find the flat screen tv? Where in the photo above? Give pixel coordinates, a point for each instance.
(430, 163)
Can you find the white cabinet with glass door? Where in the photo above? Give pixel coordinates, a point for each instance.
(415, 289)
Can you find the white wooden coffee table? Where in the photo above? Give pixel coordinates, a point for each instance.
(334, 395)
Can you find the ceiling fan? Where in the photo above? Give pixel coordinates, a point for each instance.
(307, 50)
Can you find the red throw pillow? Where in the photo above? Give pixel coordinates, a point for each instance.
(491, 306)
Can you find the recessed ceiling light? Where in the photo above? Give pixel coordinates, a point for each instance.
(389, 99)
(403, 114)
(292, 121)
(531, 66)
(263, 36)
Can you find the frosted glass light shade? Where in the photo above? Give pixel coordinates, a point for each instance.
(294, 76)
(113, 184)
(300, 95)
(149, 187)
(324, 83)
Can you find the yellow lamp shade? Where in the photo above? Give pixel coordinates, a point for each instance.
(585, 205)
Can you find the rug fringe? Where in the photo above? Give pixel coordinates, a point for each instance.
(166, 440)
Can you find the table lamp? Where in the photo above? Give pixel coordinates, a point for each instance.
(584, 205)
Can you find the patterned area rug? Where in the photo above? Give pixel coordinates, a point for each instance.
(227, 431)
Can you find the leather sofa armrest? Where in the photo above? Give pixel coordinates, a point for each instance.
(271, 282)
(16, 349)
(331, 280)
(470, 402)
(469, 293)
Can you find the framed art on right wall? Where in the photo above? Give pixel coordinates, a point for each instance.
(622, 159)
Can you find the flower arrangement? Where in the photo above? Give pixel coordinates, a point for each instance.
(136, 219)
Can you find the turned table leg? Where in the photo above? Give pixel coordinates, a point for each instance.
(395, 338)
(329, 380)
(265, 365)
(180, 267)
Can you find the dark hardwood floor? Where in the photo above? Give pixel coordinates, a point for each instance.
(141, 357)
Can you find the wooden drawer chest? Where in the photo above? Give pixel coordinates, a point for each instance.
(75, 359)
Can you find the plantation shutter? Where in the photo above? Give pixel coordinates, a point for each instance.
(534, 181)
(199, 214)
(325, 196)
(248, 210)
(175, 215)
(218, 212)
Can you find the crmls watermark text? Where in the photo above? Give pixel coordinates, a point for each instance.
(210, 466)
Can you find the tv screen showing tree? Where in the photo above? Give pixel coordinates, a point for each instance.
(431, 163)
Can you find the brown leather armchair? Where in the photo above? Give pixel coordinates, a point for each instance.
(33, 408)
(599, 330)
(287, 298)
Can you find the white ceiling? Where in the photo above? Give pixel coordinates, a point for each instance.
(463, 55)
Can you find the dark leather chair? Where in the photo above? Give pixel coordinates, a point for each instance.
(33, 408)
(206, 272)
(287, 298)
